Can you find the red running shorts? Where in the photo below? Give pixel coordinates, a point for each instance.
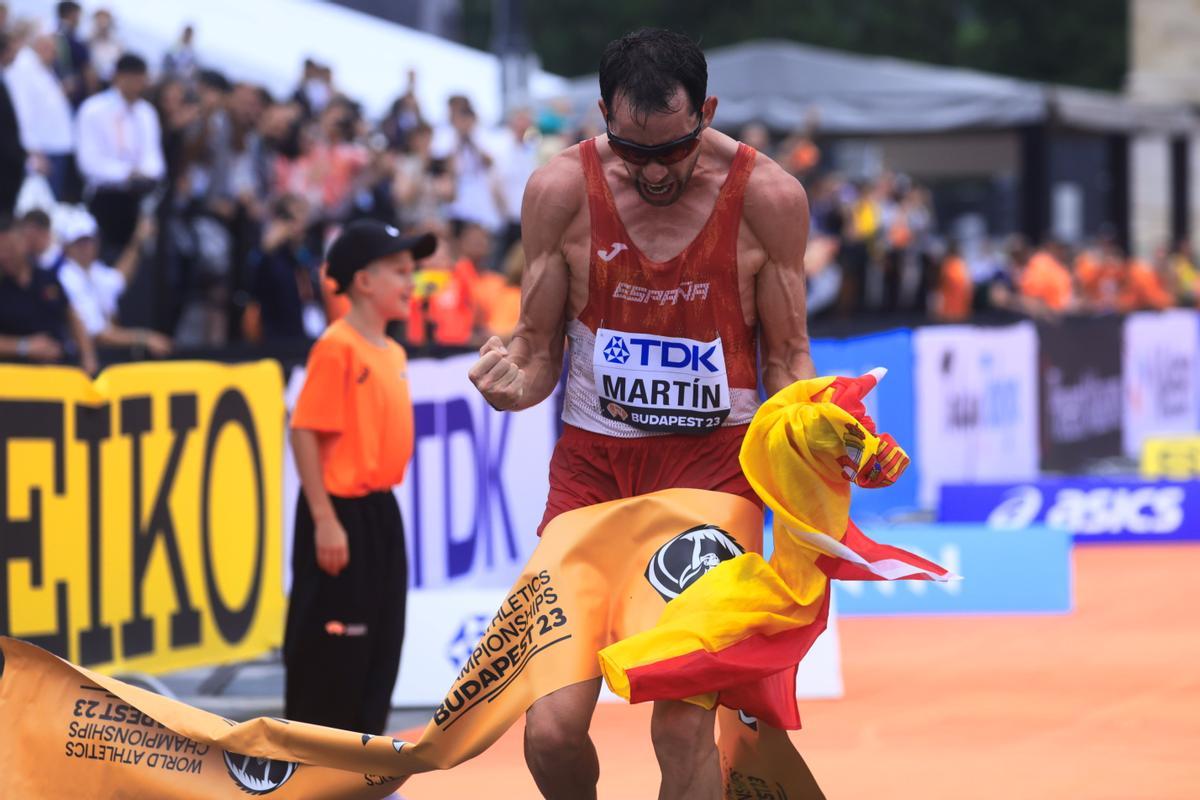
(589, 468)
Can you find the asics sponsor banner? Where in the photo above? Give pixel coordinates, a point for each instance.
(977, 416)
(476, 489)
(989, 561)
(1093, 510)
(1161, 381)
(139, 514)
(661, 384)
(1081, 392)
(890, 405)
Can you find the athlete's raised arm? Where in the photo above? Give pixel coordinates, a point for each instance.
(777, 211)
(525, 372)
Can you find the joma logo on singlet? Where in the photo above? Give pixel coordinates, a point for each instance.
(640, 294)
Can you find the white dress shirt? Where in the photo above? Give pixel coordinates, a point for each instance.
(115, 139)
(104, 54)
(93, 293)
(475, 182)
(43, 111)
(515, 162)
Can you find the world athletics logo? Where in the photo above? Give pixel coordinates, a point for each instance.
(255, 775)
(684, 559)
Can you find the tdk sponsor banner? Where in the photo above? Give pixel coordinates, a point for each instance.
(1160, 376)
(1016, 572)
(1081, 392)
(1094, 510)
(444, 627)
(890, 405)
(976, 391)
(661, 383)
(476, 488)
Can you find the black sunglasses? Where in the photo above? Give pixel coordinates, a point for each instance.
(669, 153)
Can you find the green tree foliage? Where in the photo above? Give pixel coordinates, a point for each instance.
(1080, 42)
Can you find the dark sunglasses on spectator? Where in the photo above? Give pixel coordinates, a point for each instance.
(669, 153)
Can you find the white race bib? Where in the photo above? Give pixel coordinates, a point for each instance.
(661, 383)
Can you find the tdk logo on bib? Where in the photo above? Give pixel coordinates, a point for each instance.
(616, 352)
(661, 383)
(673, 354)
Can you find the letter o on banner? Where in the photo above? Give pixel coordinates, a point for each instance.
(231, 409)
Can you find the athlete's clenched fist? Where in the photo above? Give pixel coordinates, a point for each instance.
(497, 376)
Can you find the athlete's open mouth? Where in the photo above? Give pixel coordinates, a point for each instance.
(659, 189)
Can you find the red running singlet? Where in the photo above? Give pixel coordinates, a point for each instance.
(662, 347)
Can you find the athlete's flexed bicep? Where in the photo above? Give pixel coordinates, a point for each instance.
(777, 210)
(525, 372)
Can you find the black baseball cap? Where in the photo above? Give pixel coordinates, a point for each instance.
(367, 240)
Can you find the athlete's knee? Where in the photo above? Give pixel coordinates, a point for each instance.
(681, 731)
(554, 731)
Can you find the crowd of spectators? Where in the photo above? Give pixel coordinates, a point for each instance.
(213, 200)
(169, 206)
(875, 247)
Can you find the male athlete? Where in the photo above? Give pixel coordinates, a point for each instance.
(672, 259)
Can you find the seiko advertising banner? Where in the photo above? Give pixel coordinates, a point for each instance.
(139, 514)
(475, 491)
(890, 405)
(1081, 392)
(977, 418)
(1093, 510)
(1161, 381)
(1029, 572)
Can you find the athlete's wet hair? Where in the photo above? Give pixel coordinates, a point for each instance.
(647, 67)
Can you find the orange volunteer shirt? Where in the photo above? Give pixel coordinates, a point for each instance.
(1143, 289)
(1047, 280)
(956, 289)
(356, 396)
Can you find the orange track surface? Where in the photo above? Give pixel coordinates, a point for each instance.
(1101, 704)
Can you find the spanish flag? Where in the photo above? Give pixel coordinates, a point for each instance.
(666, 595)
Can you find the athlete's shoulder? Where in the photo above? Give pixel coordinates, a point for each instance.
(555, 191)
(773, 190)
(560, 178)
(776, 209)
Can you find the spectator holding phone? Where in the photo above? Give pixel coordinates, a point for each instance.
(423, 184)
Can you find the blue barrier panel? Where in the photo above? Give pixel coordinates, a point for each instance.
(890, 405)
(1003, 573)
(1093, 509)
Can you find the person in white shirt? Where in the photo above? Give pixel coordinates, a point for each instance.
(94, 288)
(104, 46)
(119, 152)
(43, 112)
(476, 196)
(180, 61)
(516, 159)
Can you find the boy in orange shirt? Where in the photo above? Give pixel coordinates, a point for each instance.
(352, 436)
